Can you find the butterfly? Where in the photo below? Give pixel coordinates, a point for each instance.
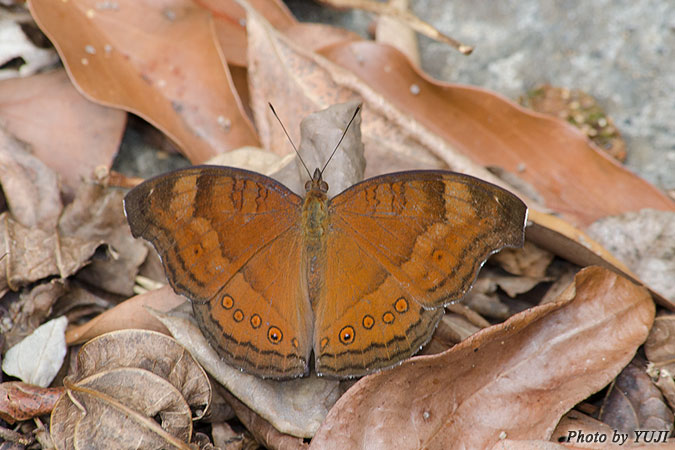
(359, 280)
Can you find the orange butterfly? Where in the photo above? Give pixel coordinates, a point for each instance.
(360, 279)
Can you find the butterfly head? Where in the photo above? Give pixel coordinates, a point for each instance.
(316, 184)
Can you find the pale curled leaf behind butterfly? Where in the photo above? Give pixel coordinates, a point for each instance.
(364, 293)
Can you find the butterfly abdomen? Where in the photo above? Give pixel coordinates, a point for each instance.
(314, 223)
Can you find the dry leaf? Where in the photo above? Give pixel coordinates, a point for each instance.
(666, 384)
(634, 405)
(418, 138)
(314, 84)
(31, 310)
(30, 187)
(575, 424)
(127, 56)
(645, 242)
(566, 241)
(135, 389)
(295, 407)
(117, 409)
(226, 438)
(38, 358)
(45, 248)
(488, 305)
(115, 271)
(320, 132)
(67, 132)
(563, 278)
(151, 351)
(230, 24)
(516, 378)
(660, 345)
(21, 401)
(496, 132)
(531, 261)
(315, 36)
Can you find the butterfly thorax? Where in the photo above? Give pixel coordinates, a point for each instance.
(314, 224)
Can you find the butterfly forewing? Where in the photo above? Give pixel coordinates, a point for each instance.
(231, 241)
(416, 241)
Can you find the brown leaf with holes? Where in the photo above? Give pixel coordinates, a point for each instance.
(21, 401)
(126, 55)
(136, 388)
(72, 138)
(634, 405)
(518, 377)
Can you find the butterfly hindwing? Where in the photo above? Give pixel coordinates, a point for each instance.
(220, 233)
(409, 242)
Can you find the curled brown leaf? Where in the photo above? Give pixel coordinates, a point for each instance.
(515, 379)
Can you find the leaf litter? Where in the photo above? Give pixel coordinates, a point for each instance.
(72, 222)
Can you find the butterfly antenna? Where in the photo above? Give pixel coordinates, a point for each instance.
(356, 111)
(290, 140)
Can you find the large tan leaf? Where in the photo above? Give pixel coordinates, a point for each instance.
(411, 121)
(67, 132)
(515, 379)
(570, 173)
(157, 59)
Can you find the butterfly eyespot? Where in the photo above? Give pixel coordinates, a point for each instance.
(295, 343)
(401, 305)
(227, 302)
(323, 343)
(274, 335)
(256, 321)
(388, 318)
(347, 335)
(238, 315)
(368, 322)
(438, 255)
